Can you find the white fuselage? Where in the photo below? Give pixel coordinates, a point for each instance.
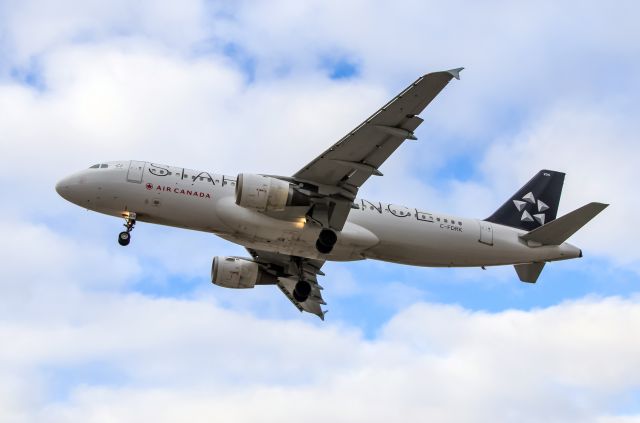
(205, 201)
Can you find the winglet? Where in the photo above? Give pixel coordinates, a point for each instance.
(455, 72)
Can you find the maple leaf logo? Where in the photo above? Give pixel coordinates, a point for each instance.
(149, 186)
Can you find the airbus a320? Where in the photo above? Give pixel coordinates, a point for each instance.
(292, 225)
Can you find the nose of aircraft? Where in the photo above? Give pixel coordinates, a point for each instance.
(62, 187)
(70, 188)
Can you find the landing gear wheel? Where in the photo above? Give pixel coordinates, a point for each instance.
(124, 238)
(326, 241)
(301, 291)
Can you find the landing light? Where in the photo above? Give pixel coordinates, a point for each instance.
(300, 222)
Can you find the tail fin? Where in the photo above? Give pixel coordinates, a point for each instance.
(534, 205)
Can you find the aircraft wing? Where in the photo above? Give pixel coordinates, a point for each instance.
(290, 269)
(351, 161)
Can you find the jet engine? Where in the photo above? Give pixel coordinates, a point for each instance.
(235, 272)
(262, 193)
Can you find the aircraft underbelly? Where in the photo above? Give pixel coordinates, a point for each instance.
(293, 237)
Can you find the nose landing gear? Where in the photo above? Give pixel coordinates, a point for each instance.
(124, 237)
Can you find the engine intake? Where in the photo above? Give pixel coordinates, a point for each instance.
(235, 272)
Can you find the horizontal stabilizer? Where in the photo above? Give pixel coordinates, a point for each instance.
(559, 230)
(529, 272)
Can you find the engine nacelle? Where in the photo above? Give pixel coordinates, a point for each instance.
(262, 193)
(235, 272)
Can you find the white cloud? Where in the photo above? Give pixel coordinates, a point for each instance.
(164, 357)
(35, 27)
(193, 359)
(37, 260)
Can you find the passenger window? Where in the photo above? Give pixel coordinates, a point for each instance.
(445, 221)
(438, 219)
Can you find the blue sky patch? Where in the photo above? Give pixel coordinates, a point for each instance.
(340, 67)
(30, 75)
(64, 379)
(245, 62)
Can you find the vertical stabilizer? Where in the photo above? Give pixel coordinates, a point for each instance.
(534, 205)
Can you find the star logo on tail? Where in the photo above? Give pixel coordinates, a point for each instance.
(529, 205)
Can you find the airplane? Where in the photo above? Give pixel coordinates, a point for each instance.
(292, 225)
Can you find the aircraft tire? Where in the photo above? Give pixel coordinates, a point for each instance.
(301, 291)
(124, 238)
(326, 241)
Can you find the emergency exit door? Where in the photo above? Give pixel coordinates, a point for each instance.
(136, 169)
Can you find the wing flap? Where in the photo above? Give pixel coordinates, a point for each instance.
(312, 305)
(289, 270)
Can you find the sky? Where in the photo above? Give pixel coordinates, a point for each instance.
(93, 332)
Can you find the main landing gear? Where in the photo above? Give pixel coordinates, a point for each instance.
(124, 237)
(326, 241)
(301, 291)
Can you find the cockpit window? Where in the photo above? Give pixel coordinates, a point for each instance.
(95, 166)
(103, 166)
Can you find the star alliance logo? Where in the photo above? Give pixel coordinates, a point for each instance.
(530, 200)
